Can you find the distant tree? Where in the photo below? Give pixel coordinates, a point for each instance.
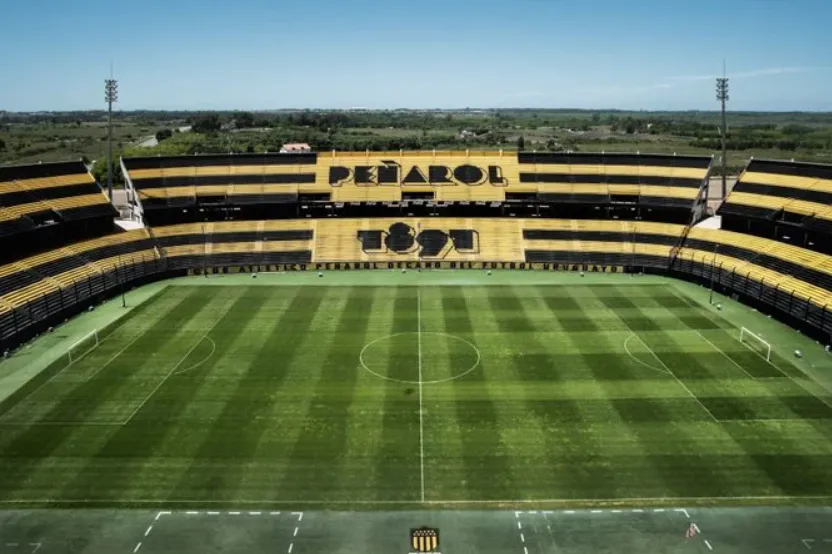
(551, 144)
(244, 120)
(209, 123)
(2, 145)
(630, 127)
(163, 134)
(521, 143)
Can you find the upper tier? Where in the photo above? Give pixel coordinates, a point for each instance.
(788, 201)
(39, 203)
(664, 183)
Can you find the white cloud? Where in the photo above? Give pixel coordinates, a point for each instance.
(749, 74)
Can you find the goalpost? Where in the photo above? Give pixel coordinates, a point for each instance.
(755, 343)
(84, 346)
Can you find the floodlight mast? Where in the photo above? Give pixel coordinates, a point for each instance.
(722, 96)
(110, 96)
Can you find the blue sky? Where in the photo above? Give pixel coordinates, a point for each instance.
(270, 54)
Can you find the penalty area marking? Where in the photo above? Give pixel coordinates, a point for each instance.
(202, 361)
(432, 382)
(645, 364)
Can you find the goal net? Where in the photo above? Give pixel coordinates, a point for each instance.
(755, 343)
(83, 347)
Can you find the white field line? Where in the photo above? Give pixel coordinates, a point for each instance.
(792, 379)
(564, 501)
(669, 371)
(60, 371)
(137, 548)
(63, 423)
(203, 360)
(421, 415)
(119, 353)
(708, 545)
(721, 351)
(627, 350)
(172, 371)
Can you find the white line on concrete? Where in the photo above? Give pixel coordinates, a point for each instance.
(522, 537)
(275, 513)
(299, 514)
(36, 545)
(658, 510)
(160, 514)
(596, 511)
(806, 543)
(696, 528)
(295, 534)
(516, 514)
(233, 513)
(149, 529)
(525, 550)
(291, 544)
(569, 512)
(213, 513)
(191, 513)
(254, 513)
(137, 548)
(519, 526)
(683, 511)
(708, 545)
(421, 414)
(638, 510)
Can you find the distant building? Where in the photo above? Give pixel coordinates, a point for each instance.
(294, 147)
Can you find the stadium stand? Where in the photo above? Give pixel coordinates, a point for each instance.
(665, 184)
(229, 243)
(467, 183)
(47, 204)
(57, 283)
(786, 201)
(790, 280)
(215, 182)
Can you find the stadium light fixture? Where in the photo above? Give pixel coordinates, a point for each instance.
(110, 96)
(722, 97)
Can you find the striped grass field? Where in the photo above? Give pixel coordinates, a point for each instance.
(402, 395)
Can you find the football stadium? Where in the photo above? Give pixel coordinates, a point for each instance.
(339, 350)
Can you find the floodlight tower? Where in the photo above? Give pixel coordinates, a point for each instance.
(722, 96)
(110, 96)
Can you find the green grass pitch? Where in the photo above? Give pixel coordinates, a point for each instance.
(393, 395)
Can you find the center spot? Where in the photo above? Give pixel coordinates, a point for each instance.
(402, 357)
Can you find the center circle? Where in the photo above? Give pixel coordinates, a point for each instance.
(413, 353)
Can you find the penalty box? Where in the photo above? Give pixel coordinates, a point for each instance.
(592, 531)
(204, 531)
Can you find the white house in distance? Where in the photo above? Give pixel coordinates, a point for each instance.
(294, 147)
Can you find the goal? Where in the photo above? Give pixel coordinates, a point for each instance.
(755, 343)
(84, 346)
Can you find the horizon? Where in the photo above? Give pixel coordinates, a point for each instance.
(645, 55)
